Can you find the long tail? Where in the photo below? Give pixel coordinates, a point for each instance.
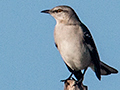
(106, 70)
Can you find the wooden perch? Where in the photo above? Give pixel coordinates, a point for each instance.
(70, 85)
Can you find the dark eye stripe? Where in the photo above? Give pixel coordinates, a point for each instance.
(59, 10)
(54, 11)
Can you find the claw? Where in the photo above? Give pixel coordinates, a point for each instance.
(78, 82)
(66, 79)
(63, 80)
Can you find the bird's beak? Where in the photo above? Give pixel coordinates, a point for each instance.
(45, 11)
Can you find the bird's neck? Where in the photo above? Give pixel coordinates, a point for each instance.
(74, 20)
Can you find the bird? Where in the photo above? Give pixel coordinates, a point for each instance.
(75, 44)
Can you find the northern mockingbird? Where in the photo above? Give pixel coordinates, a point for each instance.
(75, 43)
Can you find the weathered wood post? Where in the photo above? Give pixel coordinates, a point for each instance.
(70, 85)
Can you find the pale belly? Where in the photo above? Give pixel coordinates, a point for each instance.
(73, 51)
(75, 55)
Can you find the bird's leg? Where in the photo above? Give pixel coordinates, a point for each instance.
(67, 78)
(80, 80)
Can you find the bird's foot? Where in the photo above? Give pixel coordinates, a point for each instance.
(81, 79)
(66, 79)
(78, 82)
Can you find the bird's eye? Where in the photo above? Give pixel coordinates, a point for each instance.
(56, 11)
(59, 10)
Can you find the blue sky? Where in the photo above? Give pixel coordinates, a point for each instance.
(28, 57)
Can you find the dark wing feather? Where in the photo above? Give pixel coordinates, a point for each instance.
(93, 51)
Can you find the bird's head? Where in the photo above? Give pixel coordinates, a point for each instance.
(62, 14)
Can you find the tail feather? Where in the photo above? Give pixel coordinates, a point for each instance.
(106, 70)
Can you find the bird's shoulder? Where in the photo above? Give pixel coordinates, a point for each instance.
(88, 39)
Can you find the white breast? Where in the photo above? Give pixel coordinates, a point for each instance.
(69, 40)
